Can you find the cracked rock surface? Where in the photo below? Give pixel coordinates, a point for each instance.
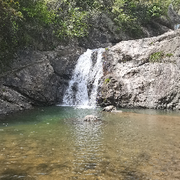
(143, 73)
(37, 78)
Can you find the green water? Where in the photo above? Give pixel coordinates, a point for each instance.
(55, 143)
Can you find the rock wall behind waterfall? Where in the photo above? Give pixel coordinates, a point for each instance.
(37, 78)
(143, 73)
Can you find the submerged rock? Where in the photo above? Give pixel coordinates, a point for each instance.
(91, 118)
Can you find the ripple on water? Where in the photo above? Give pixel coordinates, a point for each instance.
(123, 146)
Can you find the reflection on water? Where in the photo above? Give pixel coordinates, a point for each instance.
(55, 143)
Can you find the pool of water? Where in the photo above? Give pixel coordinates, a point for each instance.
(55, 143)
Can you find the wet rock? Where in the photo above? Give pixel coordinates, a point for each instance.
(110, 108)
(91, 118)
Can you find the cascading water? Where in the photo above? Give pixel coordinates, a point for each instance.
(83, 86)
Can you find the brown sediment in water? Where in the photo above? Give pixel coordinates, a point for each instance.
(126, 146)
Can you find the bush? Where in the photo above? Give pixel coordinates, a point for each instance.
(24, 23)
(28, 22)
(130, 15)
(156, 57)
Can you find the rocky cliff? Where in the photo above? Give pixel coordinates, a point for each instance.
(37, 78)
(143, 73)
(137, 73)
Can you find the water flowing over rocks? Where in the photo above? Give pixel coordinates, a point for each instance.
(137, 73)
(143, 73)
(83, 86)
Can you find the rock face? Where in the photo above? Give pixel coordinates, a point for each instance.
(173, 16)
(11, 101)
(143, 73)
(137, 73)
(37, 78)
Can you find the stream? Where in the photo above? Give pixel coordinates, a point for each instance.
(55, 143)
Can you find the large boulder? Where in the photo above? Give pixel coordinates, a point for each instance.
(34, 80)
(143, 73)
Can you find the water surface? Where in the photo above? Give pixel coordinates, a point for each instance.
(55, 143)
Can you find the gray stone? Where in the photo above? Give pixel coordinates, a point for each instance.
(143, 73)
(109, 108)
(12, 101)
(91, 118)
(173, 16)
(39, 78)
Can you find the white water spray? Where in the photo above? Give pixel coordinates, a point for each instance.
(83, 86)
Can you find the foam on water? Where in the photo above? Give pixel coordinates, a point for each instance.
(86, 74)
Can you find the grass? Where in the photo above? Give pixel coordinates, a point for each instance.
(107, 81)
(156, 57)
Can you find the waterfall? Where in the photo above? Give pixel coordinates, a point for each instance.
(83, 86)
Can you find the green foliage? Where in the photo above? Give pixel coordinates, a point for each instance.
(107, 81)
(151, 43)
(37, 12)
(156, 57)
(176, 4)
(31, 22)
(23, 22)
(130, 15)
(169, 55)
(155, 10)
(73, 23)
(9, 17)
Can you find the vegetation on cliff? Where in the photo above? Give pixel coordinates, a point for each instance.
(36, 22)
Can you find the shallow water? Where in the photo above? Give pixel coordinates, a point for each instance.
(55, 143)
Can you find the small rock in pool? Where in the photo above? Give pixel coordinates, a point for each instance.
(91, 118)
(110, 108)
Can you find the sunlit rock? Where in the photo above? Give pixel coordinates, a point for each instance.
(110, 108)
(143, 73)
(91, 118)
